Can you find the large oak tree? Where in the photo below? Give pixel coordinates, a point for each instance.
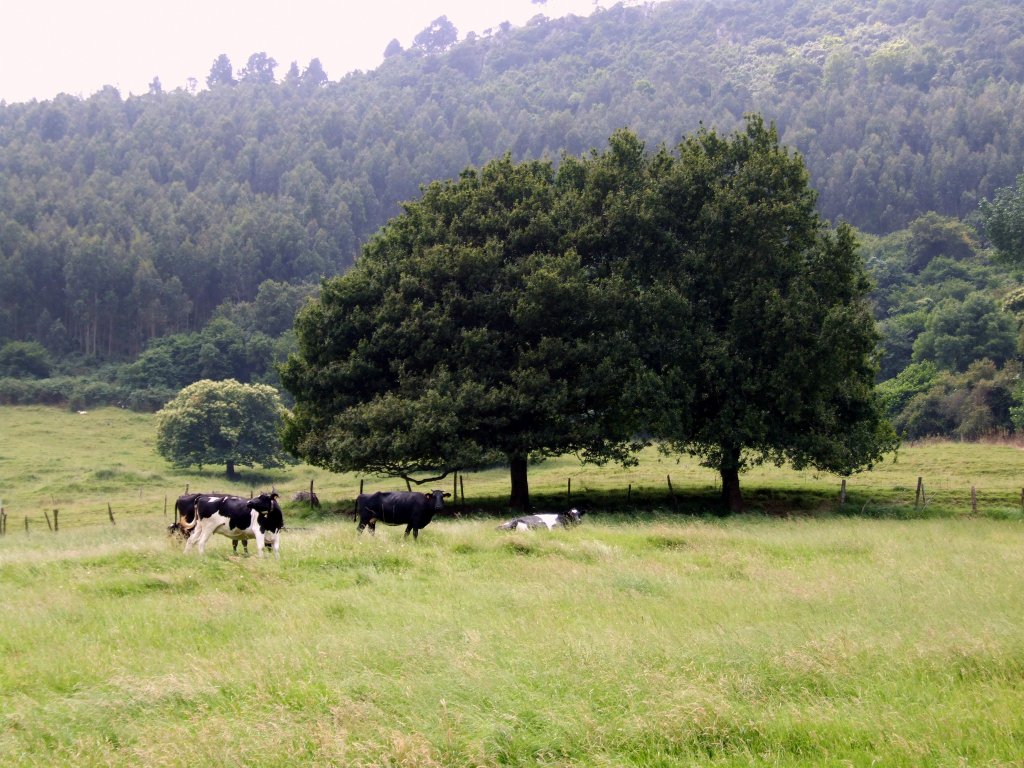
(467, 335)
(785, 340)
(695, 298)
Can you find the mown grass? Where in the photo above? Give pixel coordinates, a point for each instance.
(645, 637)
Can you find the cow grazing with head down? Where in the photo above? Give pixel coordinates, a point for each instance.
(239, 519)
(412, 509)
(185, 507)
(547, 520)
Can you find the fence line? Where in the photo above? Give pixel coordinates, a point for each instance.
(45, 520)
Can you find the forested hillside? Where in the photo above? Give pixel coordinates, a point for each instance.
(124, 220)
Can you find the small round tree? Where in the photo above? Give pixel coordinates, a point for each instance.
(223, 422)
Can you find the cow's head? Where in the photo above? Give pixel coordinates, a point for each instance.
(573, 515)
(437, 498)
(265, 502)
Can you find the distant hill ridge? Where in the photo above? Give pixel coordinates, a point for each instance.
(127, 219)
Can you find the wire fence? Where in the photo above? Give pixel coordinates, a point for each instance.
(850, 497)
(53, 519)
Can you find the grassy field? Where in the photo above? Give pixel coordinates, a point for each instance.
(81, 463)
(808, 636)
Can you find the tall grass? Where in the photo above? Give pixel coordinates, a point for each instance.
(811, 635)
(750, 641)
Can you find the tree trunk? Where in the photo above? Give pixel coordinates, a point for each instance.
(231, 471)
(520, 484)
(732, 498)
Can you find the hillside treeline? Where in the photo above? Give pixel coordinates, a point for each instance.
(129, 219)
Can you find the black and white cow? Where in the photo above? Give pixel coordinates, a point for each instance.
(412, 509)
(239, 519)
(547, 520)
(185, 507)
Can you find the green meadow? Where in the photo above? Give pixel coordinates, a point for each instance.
(654, 634)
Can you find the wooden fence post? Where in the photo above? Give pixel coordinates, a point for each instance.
(110, 511)
(919, 495)
(672, 493)
(974, 501)
(311, 497)
(56, 525)
(842, 494)
(49, 523)
(462, 489)
(629, 493)
(568, 491)
(355, 504)
(26, 524)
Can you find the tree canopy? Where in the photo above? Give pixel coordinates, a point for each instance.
(467, 335)
(126, 219)
(1003, 219)
(781, 321)
(222, 422)
(695, 298)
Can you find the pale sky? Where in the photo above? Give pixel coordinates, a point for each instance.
(78, 46)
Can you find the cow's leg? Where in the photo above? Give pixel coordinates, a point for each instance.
(204, 536)
(259, 541)
(409, 529)
(198, 538)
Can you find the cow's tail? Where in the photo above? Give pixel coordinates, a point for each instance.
(187, 526)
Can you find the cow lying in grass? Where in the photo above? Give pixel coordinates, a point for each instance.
(239, 519)
(547, 520)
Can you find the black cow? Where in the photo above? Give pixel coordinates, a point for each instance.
(239, 519)
(185, 507)
(412, 509)
(547, 520)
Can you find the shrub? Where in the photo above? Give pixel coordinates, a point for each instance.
(24, 360)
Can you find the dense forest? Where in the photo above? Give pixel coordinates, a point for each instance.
(149, 240)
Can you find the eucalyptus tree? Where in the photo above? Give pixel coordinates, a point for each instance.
(1003, 219)
(221, 72)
